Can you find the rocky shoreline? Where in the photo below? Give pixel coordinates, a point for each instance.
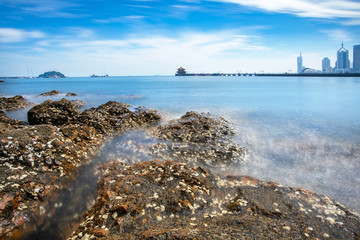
(39, 159)
(182, 192)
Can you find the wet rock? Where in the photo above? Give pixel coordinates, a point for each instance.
(199, 139)
(110, 118)
(169, 200)
(113, 118)
(14, 103)
(36, 162)
(51, 93)
(196, 127)
(53, 112)
(78, 103)
(70, 94)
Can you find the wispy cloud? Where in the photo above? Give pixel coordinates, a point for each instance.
(155, 53)
(185, 7)
(338, 35)
(130, 18)
(306, 8)
(209, 43)
(45, 8)
(191, 1)
(352, 22)
(11, 35)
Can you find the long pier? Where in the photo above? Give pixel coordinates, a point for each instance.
(274, 74)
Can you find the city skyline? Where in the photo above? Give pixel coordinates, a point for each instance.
(356, 58)
(150, 37)
(342, 64)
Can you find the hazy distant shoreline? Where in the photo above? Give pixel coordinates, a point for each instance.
(234, 75)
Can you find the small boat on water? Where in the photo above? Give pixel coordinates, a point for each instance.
(94, 75)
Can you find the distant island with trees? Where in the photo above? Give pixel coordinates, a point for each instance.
(52, 74)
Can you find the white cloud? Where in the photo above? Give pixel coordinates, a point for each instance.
(44, 8)
(120, 19)
(306, 8)
(338, 35)
(152, 54)
(191, 1)
(80, 32)
(9, 35)
(353, 22)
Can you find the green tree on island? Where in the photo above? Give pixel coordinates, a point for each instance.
(52, 74)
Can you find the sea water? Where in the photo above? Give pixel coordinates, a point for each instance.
(301, 131)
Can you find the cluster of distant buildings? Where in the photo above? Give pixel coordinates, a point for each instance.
(342, 64)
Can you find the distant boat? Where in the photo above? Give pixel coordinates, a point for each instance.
(94, 75)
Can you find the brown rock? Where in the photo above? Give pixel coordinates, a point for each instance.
(78, 103)
(36, 161)
(199, 139)
(53, 112)
(171, 200)
(114, 118)
(14, 103)
(51, 93)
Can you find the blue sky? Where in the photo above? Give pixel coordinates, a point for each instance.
(150, 37)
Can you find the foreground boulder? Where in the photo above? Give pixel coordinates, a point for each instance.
(14, 103)
(39, 160)
(200, 139)
(53, 112)
(169, 200)
(114, 117)
(36, 162)
(110, 118)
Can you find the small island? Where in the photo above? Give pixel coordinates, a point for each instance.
(52, 74)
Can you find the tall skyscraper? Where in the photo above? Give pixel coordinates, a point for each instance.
(299, 64)
(326, 65)
(343, 62)
(356, 58)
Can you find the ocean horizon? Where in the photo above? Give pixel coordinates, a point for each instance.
(301, 131)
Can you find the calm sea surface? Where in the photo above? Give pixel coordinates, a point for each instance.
(302, 132)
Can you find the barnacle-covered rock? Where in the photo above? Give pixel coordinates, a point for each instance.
(14, 103)
(114, 117)
(200, 139)
(36, 161)
(169, 200)
(78, 103)
(196, 127)
(110, 118)
(53, 112)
